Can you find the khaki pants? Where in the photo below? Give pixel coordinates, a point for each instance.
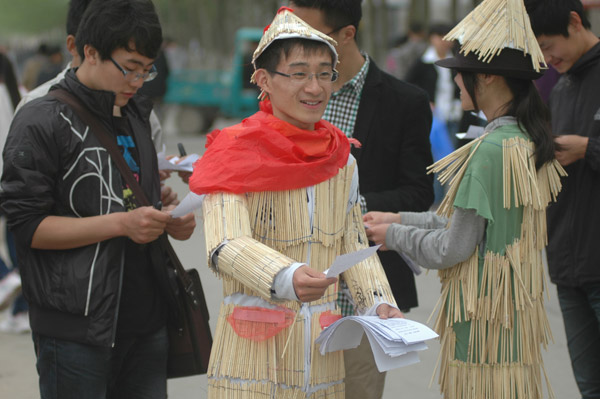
(363, 380)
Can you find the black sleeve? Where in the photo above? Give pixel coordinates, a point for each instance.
(31, 159)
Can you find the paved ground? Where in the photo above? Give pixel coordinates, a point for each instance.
(18, 378)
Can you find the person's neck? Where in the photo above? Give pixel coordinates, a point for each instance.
(495, 111)
(349, 66)
(495, 105)
(83, 74)
(590, 40)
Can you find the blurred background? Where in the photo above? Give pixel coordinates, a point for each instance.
(205, 67)
(204, 83)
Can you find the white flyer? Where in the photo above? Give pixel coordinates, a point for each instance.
(346, 261)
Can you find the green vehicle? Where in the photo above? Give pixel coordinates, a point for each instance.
(202, 95)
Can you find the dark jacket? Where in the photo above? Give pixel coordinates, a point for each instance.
(54, 166)
(393, 125)
(424, 75)
(574, 221)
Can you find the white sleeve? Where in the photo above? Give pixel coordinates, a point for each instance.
(283, 286)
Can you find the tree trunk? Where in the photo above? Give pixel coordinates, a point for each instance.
(385, 26)
(426, 13)
(413, 11)
(454, 12)
(419, 12)
(368, 30)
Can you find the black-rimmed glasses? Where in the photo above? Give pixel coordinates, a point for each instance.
(133, 76)
(303, 77)
(336, 30)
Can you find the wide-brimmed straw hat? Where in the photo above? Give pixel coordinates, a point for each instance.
(496, 38)
(510, 63)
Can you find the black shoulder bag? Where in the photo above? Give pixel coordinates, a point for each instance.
(190, 339)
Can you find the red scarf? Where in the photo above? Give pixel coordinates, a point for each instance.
(264, 153)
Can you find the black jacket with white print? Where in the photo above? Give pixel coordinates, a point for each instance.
(54, 165)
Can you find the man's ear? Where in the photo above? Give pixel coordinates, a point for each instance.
(488, 79)
(71, 47)
(575, 22)
(263, 80)
(91, 55)
(347, 34)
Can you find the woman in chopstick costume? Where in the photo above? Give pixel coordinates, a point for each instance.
(489, 232)
(281, 203)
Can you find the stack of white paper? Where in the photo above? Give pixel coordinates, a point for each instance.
(394, 342)
(176, 163)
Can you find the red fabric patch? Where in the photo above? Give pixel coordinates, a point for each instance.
(327, 318)
(258, 324)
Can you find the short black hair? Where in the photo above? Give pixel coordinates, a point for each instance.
(42, 49)
(552, 17)
(416, 27)
(440, 29)
(108, 25)
(338, 13)
(74, 15)
(271, 57)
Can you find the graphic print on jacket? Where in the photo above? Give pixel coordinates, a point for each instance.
(98, 158)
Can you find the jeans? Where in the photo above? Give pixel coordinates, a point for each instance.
(19, 304)
(136, 368)
(580, 308)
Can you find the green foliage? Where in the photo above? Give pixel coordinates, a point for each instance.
(32, 16)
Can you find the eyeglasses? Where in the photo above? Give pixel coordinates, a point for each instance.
(303, 77)
(133, 76)
(336, 30)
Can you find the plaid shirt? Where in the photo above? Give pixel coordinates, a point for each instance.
(341, 111)
(342, 108)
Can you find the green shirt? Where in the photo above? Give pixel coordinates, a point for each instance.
(481, 189)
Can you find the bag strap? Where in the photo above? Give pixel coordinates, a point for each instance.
(108, 142)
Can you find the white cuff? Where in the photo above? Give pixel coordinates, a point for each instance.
(283, 285)
(214, 255)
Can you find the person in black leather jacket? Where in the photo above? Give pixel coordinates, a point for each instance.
(97, 308)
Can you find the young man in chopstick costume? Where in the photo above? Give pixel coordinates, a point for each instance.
(492, 320)
(281, 195)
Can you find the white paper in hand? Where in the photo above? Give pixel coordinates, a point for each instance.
(394, 342)
(384, 361)
(190, 203)
(186, 165)
(346, 261)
